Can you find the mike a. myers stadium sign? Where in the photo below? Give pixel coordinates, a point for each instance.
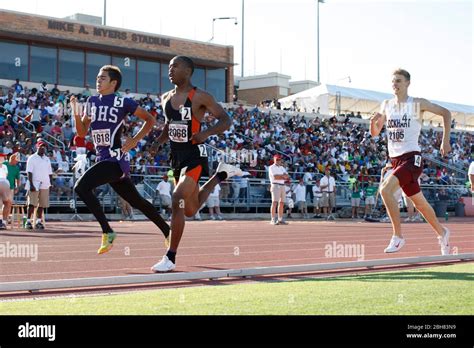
(107, 33)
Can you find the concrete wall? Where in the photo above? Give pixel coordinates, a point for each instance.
(254, 89)
(299, 86)
(256, 95)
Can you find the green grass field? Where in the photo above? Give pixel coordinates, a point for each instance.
(436, 290)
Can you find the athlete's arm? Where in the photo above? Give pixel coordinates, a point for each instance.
(144, 115)
(82, 124)
(224, 122)
(164, 136)
(426, 105)
(377, 121)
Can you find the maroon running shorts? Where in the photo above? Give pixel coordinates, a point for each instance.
(407, 168)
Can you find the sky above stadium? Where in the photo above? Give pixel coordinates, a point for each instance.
(366, 40)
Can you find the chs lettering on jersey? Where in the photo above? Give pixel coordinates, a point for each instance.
(108, 114)
(107, 117)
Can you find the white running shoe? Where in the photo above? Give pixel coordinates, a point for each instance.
(444, 242)
(408, 219)
(165, 265)
(229, 169)
(395, 244)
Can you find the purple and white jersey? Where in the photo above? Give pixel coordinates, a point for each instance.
(108, 114)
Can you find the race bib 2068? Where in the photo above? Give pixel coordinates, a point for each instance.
(178, 132)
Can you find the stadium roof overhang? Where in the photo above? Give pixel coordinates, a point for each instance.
(366, 101)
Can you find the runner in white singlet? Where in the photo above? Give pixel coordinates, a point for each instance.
(402, 117)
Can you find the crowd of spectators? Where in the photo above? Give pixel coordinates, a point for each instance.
(311, 145)
(308, 145)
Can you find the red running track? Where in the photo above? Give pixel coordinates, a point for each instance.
(68, 249)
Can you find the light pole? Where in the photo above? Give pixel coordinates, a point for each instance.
(317, 36)
(105, 12)
(219, 18)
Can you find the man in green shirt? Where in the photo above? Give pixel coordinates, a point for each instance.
(351, 181)
(13, 171)
(13, 175)
(355, 199)
(370, 192)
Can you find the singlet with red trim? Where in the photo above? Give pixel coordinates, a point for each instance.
(182, 124)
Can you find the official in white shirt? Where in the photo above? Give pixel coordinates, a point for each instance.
(308, 181)
(278, 175)
(38, 168)
(328, 187)
(300, 197)
(213, 203)
(317, 196)
(164, 190)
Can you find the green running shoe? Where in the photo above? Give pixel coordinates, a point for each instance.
(107, 242)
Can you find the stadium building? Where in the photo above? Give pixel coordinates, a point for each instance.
(70, 52)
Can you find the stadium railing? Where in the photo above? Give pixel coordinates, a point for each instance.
(256, 196)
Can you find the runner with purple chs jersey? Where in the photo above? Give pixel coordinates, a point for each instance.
(105, 115)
